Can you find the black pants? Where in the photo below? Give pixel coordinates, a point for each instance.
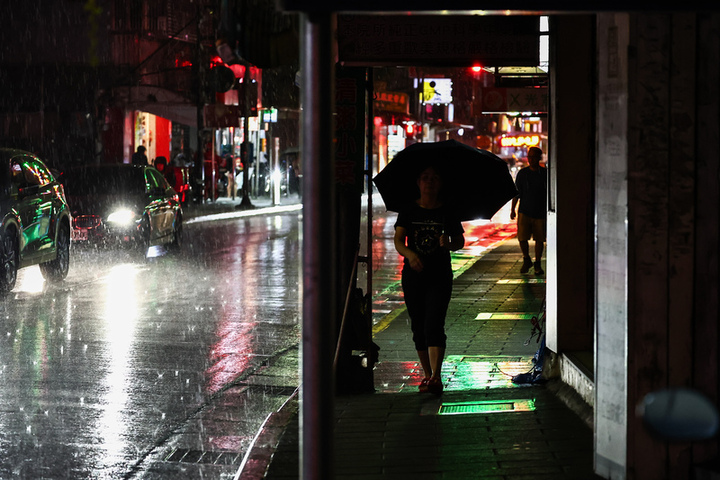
(427, 296)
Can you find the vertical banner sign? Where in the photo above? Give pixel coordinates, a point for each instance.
(349, 127)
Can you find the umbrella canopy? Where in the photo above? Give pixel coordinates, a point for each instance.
(476, 183)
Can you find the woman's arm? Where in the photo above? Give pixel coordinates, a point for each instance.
(452, 243)
(401, 247)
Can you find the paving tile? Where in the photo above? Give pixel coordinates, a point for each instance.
(396, 432)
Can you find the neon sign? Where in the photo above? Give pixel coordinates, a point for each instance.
(520, 141)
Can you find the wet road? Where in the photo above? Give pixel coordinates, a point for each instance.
(100, 372)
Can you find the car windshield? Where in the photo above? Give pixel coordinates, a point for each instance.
(105, 181)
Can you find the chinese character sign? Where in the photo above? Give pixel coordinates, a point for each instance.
(491, 100)
(433, 40)
(350, 127)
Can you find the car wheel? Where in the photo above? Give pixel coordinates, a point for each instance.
(8, 261)
(177, 240)
(56, 270)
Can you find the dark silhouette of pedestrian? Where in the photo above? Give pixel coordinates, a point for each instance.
(531, 183)
(139, 157)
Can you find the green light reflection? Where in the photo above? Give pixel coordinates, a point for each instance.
(487, 406)
(471, 373)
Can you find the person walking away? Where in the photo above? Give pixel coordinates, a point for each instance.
(425, 233)
(531, 183)
(139, 157)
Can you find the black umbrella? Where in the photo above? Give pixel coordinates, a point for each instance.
(476, 183)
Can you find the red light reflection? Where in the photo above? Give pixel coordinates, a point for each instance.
(230, 356)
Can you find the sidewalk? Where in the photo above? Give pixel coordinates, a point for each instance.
(482, 427)
(226, 208)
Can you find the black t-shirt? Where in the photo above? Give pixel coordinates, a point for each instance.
(532, 191)
(424, 227)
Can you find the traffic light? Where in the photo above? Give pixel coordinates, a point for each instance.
(413, 131)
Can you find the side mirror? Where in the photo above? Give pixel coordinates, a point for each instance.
(679, 414)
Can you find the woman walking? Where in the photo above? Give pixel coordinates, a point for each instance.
(425, 233)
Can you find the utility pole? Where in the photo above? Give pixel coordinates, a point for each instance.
(320, 308)
(246, 203)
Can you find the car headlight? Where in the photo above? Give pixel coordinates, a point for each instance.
(122, 217)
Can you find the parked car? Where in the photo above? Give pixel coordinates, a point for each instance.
(115, 204)
(35, 219)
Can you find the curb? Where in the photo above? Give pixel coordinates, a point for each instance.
(259, 455)
(209, 217)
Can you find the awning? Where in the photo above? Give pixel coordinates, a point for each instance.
(158, 101)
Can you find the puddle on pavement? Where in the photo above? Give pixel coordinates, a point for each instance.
(460, 372)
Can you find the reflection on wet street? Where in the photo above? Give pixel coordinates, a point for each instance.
(98, 371)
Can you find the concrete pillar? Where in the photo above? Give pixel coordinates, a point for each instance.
(611, 375)
(657, 232)
(571, 166)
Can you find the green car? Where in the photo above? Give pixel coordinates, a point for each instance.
(35, 219)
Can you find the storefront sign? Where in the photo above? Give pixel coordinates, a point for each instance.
(519, 140)
(369, 40)
(270, 115)
(469, 6)
(396, 102)
(437, 91)
(493, 100)
(349, 127)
